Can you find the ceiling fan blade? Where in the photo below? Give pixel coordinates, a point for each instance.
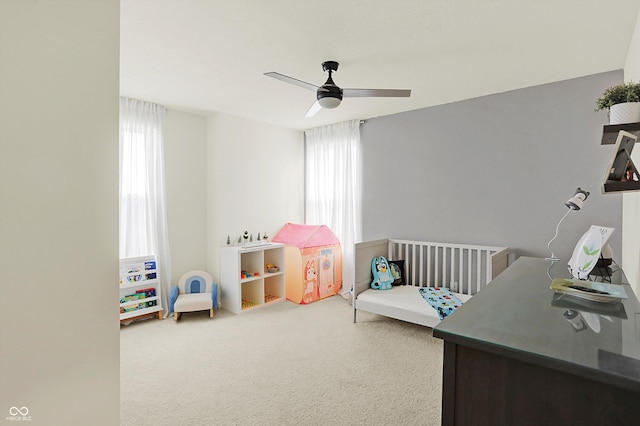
(313, 110)
(291, 80)
(385, 93)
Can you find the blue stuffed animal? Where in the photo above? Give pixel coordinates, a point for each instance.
(382, 277)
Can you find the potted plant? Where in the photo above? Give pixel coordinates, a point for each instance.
(623, 103)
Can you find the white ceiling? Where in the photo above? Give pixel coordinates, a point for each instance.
(210, 55)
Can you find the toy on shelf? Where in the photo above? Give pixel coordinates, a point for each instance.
(244, 274)
(246, 304)
(270, 298)
(246, 239)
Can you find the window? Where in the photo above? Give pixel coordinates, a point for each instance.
(143, 211)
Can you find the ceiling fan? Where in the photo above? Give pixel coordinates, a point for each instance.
(329, 95)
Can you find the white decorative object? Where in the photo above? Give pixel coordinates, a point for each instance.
(605, 232)
(628, 112)
(586, 254)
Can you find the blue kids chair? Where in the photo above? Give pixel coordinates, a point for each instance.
(195, 291)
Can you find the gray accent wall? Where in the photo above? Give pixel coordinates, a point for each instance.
(493, 170)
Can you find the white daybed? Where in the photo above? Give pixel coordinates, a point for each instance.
(464, 269)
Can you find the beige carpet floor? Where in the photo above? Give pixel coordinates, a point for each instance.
(284, 364)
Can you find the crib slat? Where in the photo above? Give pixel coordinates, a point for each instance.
(452, 270)
(420, 265)
(428, 282)
(460, 271)
(404, 254)
(479, 270)
(445, 258)
(436, 278)
(411, 248)
(469, 269)
(487, 273)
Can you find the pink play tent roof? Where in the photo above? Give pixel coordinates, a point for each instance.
(303, 236)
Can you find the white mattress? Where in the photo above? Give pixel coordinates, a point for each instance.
(401, 302)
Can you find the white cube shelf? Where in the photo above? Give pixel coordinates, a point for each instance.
(244, 280)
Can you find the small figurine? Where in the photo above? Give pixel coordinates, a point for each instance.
(265, 238)
(228, 240)
(258, 236)
(245, 236)
(251, 238)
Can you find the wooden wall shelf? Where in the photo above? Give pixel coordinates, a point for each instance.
(613, 186)
(610, 132)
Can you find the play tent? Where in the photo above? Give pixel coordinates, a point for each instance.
(313, 259)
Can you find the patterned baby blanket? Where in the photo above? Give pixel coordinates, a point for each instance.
(441, 299)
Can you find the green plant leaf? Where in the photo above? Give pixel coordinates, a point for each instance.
(628, 92)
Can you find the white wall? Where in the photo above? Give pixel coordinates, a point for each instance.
(186, 180)
(631, 200)
(225, 174)
(255, 180)
(59, 332)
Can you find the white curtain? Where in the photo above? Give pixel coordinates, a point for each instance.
(332, 187)
(143, 206)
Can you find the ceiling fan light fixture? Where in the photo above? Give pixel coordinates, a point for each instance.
(329, 102)
(329, 95)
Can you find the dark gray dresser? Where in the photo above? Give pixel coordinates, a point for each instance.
(518, 353)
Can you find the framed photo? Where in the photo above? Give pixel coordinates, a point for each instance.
(621, 168)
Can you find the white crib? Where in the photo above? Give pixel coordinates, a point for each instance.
(464, 269)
